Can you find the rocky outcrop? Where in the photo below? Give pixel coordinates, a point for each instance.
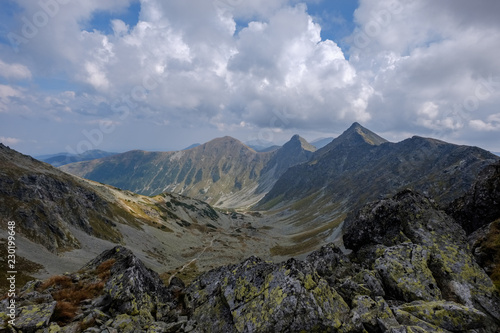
(411, 270)
(420, 253)
(481, 205)
(478, 212)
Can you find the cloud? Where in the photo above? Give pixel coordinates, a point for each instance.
(9, 141)
(492, 123)
(14, 71)
(428, 62)
(409, 66)
(7, 95)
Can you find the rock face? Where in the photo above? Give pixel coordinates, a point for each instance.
(481, 205)
(411, 270)
(478, 211)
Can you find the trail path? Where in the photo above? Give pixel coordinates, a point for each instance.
(193, 260)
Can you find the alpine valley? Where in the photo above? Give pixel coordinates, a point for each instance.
(360, 235)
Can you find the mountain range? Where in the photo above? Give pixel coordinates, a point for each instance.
(355, 167)
(223, 172)
(360, 166)
(61, 159)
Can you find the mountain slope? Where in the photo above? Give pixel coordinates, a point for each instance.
(209, 172)
(360, 166)
(320, 143)
(224, 172)
(62, 221)
(58, 160)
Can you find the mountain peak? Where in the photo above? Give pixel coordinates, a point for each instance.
(299, 141)
(224, 142)
(357, 134)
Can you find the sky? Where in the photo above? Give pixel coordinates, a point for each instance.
(118, 75)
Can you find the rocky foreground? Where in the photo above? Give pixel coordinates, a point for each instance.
(411, 270)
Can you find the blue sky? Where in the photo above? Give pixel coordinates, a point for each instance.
(159, 75)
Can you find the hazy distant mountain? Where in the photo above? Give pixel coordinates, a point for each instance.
(261, 145)
(61, 159)
(223, 172)
(360, 166)
(321, 142)
(194, 145)
(266, 149)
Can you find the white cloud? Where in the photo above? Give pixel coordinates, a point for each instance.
(7, 94)
(492, 123)
(9, 141)
(411, 66)
(14, 71)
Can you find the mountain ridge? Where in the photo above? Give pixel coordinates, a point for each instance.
(360, 166)
(224, 171)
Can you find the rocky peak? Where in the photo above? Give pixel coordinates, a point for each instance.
(299, 142)
(225, 143)
(354, 136)
(294, 152)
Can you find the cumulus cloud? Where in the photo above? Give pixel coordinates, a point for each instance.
(9, 141)
(428, 62)
(14, 71)
(410, 66)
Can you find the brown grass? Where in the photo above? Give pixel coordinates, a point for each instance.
(69, 295)
(64, 312)
(58, 281)
(104, 269)
(69, 298)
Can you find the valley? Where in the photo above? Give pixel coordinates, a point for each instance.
(304, 193)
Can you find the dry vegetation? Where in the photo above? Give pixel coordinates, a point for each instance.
(69, 294)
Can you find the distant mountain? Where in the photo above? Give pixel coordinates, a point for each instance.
(194, 145)
(321, 142)
(360, 166)
(294, 152)
(223, 172)
(266, 149)
(61, 159)
(261, 145)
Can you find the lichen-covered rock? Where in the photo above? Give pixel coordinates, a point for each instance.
(132, 286)
(481, 204)
(34, 317)
(127, 324)
(414, 324)
(405, 274)
(260, 297)
(331, 263)
(409, 217)
(372, 315)
(450, 316)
